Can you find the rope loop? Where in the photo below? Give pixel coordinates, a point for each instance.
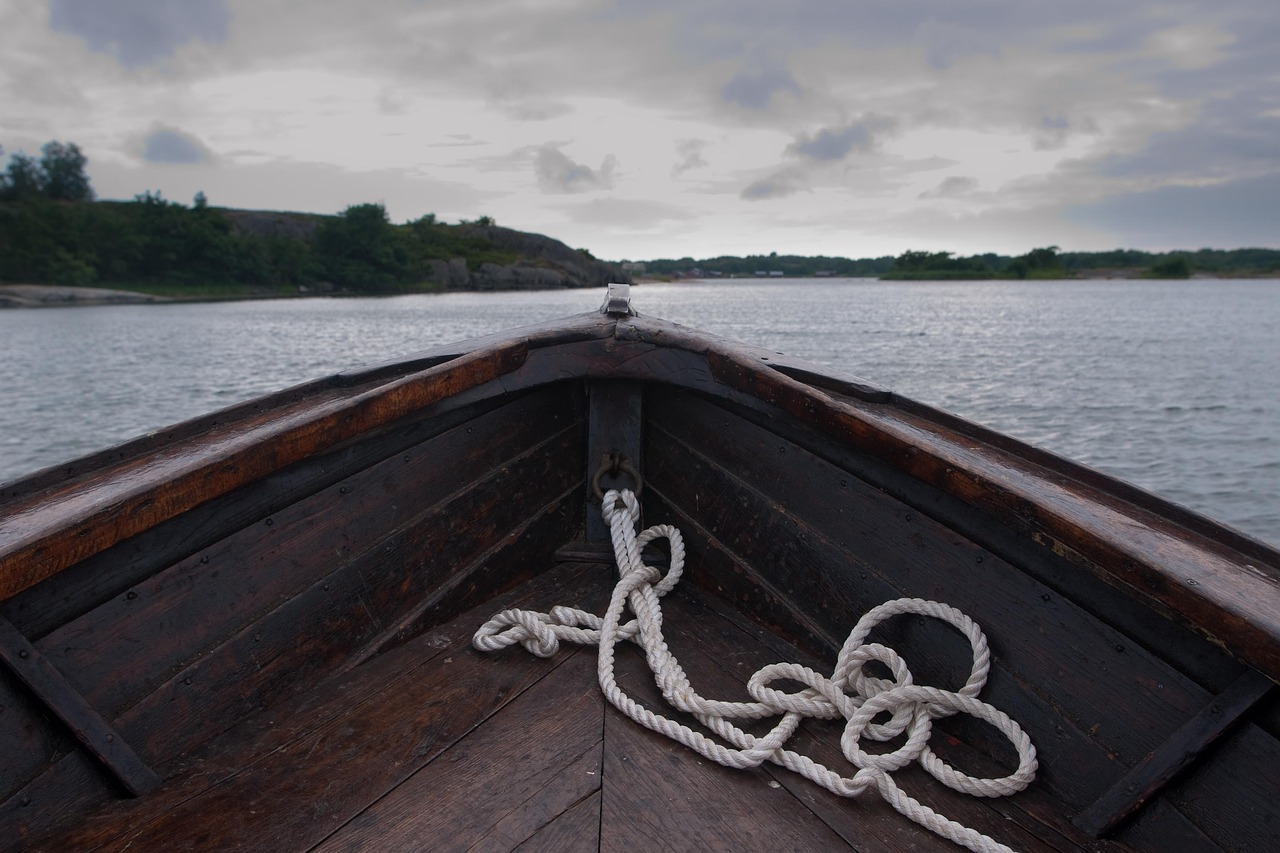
(849, 693)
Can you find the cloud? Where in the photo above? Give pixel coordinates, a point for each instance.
(629, 213)
(952, 187)
(141, 32)
(1232, 214)
(830, 144)
(168, 145)
(780, 184)
(690, 154)
(558, 174)
(755, 89)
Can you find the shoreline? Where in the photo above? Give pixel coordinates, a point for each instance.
(57, 296)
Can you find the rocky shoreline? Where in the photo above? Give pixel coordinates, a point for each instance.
(52, 296)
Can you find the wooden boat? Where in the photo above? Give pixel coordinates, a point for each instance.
(254, 630)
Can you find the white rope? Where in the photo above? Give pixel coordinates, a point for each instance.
(848, 693)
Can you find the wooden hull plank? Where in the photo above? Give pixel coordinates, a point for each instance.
(313, 633)
(80, 718)
(887, 550)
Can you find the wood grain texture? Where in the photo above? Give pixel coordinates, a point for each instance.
(1148, 777)
(503, 782)
(95, 580)
(44, 533)
(215, 593)
(81, 719)
(313, 632)
(824, 538)
(416, 689)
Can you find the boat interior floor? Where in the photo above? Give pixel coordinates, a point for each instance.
(433, 745)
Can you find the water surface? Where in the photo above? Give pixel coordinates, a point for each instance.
(1174, 386)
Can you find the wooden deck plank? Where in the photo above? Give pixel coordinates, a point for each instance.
(724, 641)
(261, 743)
(575, 831)
(505, 781)
(656, 796)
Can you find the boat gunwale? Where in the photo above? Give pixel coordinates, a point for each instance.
(1126, 545)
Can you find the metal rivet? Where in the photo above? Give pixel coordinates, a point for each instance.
(270, 522)
(131, 595)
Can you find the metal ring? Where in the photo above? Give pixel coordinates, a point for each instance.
(614, 465)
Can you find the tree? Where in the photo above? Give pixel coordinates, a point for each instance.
(360, 249)
(64, 172)
(22, 179)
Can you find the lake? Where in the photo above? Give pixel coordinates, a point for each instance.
(1172, 385)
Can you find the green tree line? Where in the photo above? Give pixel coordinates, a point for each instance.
(1042, 263)
(52, 232)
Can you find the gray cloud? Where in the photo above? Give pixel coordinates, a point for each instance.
(559, 174)
(952, 187)
(629, 213)
(780, 184)
(140, 32)
(1229, 138)
(169, 145)
(690, 153)
(756, 88)
(835, 143)
(1233, 214)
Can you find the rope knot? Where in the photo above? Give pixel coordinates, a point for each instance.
(849, 693)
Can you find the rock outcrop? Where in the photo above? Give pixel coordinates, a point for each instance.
(543, 263)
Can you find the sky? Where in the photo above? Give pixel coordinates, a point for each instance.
(640, 129)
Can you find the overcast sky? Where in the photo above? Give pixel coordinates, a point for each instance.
(663, 128)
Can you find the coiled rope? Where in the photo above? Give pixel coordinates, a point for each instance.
(848, 693)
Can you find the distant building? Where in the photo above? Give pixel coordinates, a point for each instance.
(776, 273)
(633, 267)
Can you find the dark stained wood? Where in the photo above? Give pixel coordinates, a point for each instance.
(805, 498)
(1220, 583)
(576, 829)
(880, 550)
(391, 716)
(1231, 794)
(1161, 827)
(31, 736)
(305, 639)
(1150, 775)
(57, 528)
(93, 581)
(725, 651)
(655, 797)
(1205, 663)
(503, 782)
(614, 420)
(81, 719)
(216, 593)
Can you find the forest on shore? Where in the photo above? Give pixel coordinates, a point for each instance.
(1041, 263)
(52, 231)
